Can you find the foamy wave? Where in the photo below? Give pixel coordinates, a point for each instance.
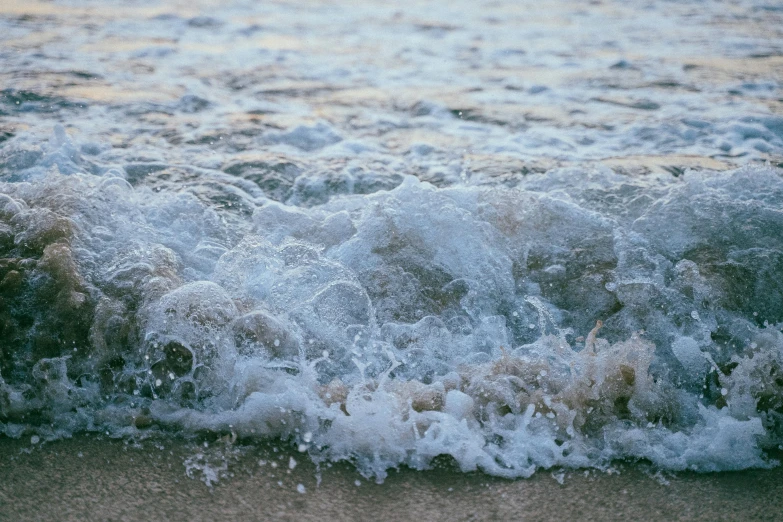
(580, 317)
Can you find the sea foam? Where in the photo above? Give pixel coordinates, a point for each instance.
(579, 317)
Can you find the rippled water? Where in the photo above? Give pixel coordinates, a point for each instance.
(524, 235)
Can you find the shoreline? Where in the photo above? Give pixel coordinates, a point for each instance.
(94, 478)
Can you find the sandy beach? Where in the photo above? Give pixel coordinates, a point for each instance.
(87, 478)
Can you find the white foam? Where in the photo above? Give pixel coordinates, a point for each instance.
(510, 328)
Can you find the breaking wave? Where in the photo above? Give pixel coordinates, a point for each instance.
(578, 317)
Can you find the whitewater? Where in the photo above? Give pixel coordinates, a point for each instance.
(521, 236)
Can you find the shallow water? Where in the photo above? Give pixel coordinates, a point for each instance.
(523, 236)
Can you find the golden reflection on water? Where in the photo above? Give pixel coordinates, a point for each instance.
(468, 58)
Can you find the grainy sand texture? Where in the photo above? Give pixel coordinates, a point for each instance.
(87, 478)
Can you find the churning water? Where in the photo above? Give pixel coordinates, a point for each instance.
(524, 236)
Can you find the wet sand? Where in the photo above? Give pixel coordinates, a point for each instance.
(87, 478)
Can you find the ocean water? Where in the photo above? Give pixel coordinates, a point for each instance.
(524, 235)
